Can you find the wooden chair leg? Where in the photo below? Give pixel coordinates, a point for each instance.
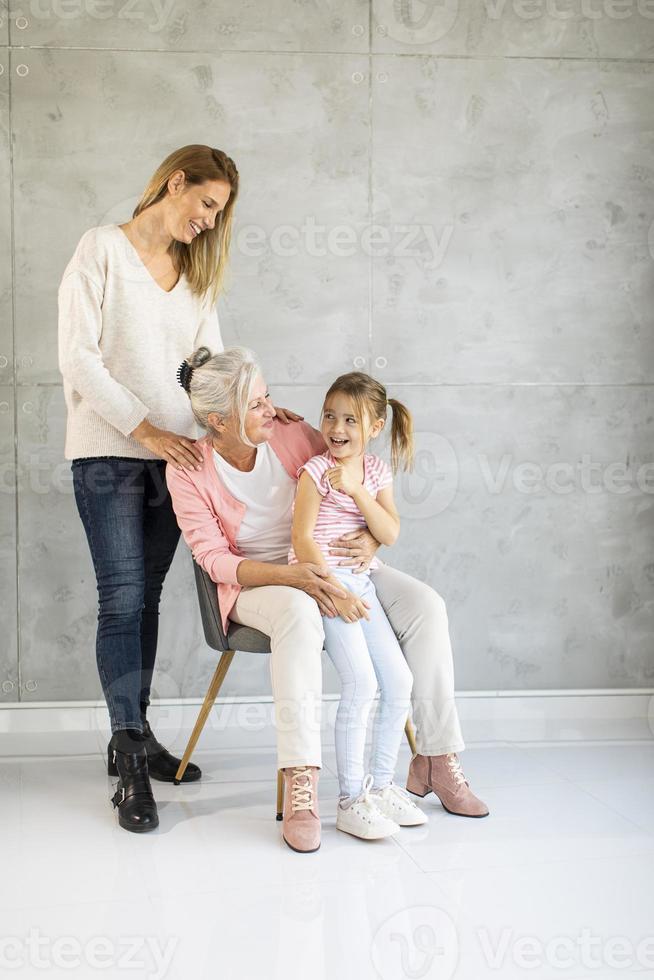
(410, 737)
(212, 694)
(280, 794)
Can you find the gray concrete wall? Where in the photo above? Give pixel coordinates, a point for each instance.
(457, 197)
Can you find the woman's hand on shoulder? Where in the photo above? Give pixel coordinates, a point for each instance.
(285, 415)
(181, 452)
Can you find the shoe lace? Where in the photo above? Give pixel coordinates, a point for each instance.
(301, 789)
(364, 801)
(456, 770)
(400, 793)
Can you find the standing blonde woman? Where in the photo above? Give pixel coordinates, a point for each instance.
(133, 300)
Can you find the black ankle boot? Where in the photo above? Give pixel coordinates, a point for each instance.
(161, 764)
(137, 810)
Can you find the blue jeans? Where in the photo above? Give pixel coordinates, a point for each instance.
(132, 534)
(367, 654)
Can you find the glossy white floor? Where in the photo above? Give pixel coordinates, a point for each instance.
(557, 882)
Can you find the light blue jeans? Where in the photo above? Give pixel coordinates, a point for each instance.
(366, 655)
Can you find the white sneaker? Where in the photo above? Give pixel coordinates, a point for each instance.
(363, 819)
(395, 804)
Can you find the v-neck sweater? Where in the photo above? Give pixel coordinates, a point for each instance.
(121, 340)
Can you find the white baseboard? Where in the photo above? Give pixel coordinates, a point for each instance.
(486, 717)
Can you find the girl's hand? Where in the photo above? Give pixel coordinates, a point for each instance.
(286, 415)
(352, 608)
(359, 547)
(341, 479)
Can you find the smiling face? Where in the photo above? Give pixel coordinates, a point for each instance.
(260, 413)
(193, 208)
(258, 421)
(343, 429)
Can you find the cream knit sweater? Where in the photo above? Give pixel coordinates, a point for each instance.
(121, 340)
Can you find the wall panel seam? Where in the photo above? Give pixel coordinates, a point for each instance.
(281, 383)
(596, 60)
(12, 241)
(370, 188)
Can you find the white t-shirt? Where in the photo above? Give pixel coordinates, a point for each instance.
(268, 492)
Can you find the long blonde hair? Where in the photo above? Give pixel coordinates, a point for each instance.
(203, 261)
(371, 401)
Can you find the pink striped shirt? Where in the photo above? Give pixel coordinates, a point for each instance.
(338, 512)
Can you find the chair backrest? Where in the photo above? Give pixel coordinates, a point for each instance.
(240, 637)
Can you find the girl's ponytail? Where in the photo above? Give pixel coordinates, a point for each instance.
(402, 447)
(369, 397)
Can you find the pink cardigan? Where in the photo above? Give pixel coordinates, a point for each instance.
(210, 517)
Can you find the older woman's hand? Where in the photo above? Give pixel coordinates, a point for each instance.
(286, 415)
(360, 548)
(311, 578)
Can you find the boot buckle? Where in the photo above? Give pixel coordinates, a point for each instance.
(114, 799)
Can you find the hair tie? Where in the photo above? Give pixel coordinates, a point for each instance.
(184, 374)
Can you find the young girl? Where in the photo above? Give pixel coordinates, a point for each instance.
(344, 490)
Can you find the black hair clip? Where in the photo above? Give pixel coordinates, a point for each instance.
(184, 373)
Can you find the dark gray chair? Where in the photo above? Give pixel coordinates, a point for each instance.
(238, 638)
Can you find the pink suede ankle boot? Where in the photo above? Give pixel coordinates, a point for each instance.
(301, 826)
(442, 775)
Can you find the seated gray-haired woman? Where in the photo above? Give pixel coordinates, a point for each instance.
(235, 513)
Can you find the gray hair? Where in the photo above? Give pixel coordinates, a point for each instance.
(222, 383)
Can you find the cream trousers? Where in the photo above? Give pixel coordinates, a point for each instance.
(292, 620)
